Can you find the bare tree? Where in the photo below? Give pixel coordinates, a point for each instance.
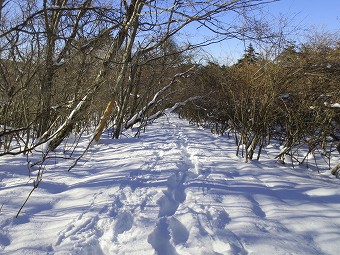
(137, 32)
(149, 25)
(125, 52)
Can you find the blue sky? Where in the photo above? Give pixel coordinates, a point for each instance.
(320, 15)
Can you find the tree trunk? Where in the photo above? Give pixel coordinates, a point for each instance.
(336, 171)
(103, 120)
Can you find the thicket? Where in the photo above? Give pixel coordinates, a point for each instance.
(293, 99)
(65, 63)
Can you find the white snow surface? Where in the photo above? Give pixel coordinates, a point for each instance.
(177, 189)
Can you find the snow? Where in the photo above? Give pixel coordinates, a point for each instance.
(336, 105)
(175, 190)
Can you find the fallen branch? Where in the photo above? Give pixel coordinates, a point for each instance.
(138, 117)
(160, 113)
(65, 129)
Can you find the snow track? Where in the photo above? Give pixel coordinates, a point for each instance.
(176, 190)
(170, 232)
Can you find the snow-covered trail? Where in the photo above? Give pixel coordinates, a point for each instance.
(176, 190)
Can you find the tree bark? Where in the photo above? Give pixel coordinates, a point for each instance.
(104, 119)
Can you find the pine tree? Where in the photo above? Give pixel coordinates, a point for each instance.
(250, 56)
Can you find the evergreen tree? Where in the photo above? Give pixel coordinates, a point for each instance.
(250, 56)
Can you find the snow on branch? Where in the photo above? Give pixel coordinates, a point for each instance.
(139, 116)
(160, 113)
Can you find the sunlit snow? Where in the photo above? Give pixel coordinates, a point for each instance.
(175, 190)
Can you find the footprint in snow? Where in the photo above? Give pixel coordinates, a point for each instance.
(116, 207)
(219, 218)
(4, 241)
(160, 238)
(124, 223)
(173, 196)
(179, 233)
(167, 205)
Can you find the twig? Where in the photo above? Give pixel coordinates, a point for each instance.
(35, 185)
(81, 155)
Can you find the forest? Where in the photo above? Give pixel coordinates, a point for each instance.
(85, 66)
(120, 133)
